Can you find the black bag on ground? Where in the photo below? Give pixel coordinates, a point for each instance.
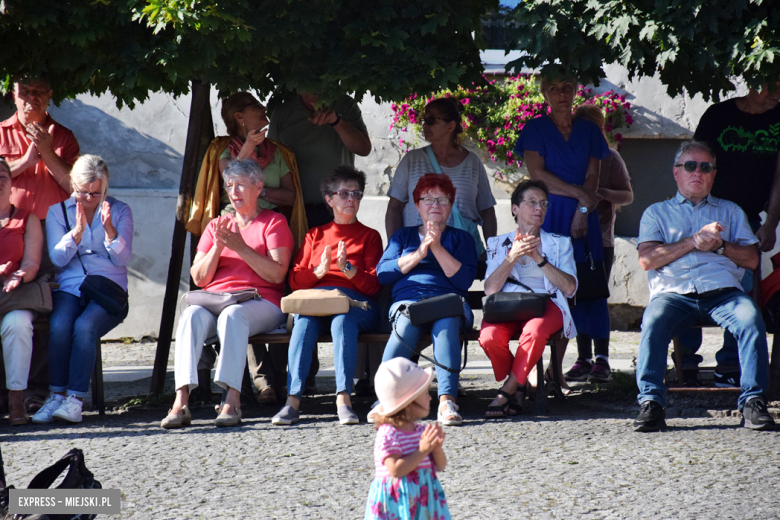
(78, 477)
(507, 307)
(592, 283)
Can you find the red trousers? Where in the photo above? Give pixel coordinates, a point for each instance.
(494, 339)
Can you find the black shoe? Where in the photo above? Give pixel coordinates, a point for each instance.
(755, 415)
(651, 418)
(691, 378)
(364, 388)
(726, 379)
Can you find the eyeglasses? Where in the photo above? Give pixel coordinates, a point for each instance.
(690, 166)
(431, 120)
(93, 194)
(531, 203)
(430, 201)
(344, 194)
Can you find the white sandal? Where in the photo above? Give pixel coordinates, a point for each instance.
(450, 410)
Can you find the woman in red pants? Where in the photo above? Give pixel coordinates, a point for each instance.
(544, 263)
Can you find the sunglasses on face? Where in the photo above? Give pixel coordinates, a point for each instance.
(690, 166)
(431, 120)
(344, 194)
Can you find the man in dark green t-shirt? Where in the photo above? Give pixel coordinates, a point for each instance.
(744, 133)
(321, 139)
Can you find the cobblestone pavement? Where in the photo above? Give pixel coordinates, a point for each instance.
(582, 460)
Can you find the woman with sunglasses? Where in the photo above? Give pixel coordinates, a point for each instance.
(543, 263)
(89, 232)
(475, 202)
(420, 262)
(565, 154)
(343, 255)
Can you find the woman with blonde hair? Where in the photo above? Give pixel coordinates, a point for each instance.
(88, 234)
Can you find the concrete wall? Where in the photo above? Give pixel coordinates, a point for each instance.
(144, 147)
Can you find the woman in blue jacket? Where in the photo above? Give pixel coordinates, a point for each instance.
(426, 261)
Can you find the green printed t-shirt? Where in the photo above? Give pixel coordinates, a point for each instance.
(318, 149)
(273, 174)
(745, 147)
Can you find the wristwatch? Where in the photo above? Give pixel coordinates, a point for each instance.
(347, 267)
(544, 262)
(337, 121)
(722, 249)
(582, 209)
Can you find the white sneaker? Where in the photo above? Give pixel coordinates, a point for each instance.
(69, 410)
(373, 413)
(45, 412)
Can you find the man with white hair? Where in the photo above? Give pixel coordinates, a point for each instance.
(695, 248)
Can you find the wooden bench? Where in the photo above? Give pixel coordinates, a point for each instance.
(475, 302)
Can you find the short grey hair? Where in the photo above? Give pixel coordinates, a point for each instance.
(248, 168)
(343, 173)
(693, 144)
(88, 169)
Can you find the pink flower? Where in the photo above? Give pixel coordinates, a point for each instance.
(465, 101)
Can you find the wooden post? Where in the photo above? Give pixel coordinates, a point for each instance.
(200, 132)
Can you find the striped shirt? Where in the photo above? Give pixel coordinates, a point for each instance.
(392, 441)
(472, 187)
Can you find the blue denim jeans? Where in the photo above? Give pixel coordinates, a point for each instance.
(344, 328)
(727, 355)
(446, 343)
(73, 331)
(668, 314)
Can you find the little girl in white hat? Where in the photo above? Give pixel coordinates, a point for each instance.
(407, 454)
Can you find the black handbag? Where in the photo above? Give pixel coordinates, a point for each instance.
(506, 307)
(103, 291)
(78, 477)
(429, 310)
(592, 283)
(432, 309)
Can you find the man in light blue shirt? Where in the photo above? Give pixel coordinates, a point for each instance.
(695, 248)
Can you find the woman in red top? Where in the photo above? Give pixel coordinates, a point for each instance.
(248, 249)
(339, 255)
(20, 256)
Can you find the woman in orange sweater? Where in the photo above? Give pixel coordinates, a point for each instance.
(339, 255)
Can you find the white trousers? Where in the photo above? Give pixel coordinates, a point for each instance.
(233, 327)
(16, 334)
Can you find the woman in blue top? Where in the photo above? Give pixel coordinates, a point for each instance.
(425, 261)
(100, 229)
(565, 154)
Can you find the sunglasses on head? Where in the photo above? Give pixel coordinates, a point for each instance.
(344, 194)
(690, 166)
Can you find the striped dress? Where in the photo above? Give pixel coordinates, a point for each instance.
(416, 496)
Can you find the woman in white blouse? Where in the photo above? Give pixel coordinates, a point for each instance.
(544, 263)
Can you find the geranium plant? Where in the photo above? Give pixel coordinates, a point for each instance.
(494, 115)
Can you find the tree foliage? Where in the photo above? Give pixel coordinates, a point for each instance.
(132, 47)
(697, 45)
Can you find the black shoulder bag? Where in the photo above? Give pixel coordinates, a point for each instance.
(103, 291)
(429, 310)
(506, 307)
(592, 283)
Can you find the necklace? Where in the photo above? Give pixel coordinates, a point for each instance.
(6, 219)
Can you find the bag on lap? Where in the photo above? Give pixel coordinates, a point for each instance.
(320, 302)
(507, 307)
(216, 302)
(34, 296)
(77, 477)
(103, 291)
